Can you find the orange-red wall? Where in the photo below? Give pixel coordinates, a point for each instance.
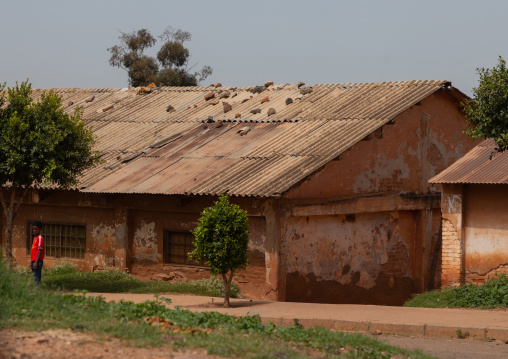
(365, 228)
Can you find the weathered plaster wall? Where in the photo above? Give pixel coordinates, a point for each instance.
(452, 200)
(387, 172)
(399, 158)
(362, 258)
(100, 231)
(485, 232)
(101, 242)
(147, 248)
(127, 232)
(475, 232)
(252, 281)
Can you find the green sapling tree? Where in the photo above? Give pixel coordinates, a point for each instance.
(221, 241)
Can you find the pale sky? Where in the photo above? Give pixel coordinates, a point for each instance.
(64, 43)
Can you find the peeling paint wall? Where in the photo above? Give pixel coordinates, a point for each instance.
(348, 249)
(383, 172)
(475, 232)
(127, 232)
(485, 232)
(452, 200)
(252, 280)
(99, 224)
(102, 244)
(145, 248)
(401, 158)
(358, 258)
(387, 171)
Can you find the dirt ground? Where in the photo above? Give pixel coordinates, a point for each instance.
(248, 289)
(61, 344)
(67, 343)
(450, 348)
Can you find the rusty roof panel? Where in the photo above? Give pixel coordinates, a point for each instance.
(186, 142)
(108, 166)
(264, 177)
(182, 175)
(149, 147)
(130, 175)
(232, 143)
(477, 167)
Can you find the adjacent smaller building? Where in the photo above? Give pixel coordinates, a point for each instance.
(474, 216)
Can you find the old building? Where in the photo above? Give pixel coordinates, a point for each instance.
(475, 216)
(334, 178)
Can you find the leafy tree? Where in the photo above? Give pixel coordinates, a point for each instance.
(221, 240)
(173, 57)
(40, 144)
(487, 110)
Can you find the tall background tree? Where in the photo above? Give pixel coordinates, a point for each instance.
(39, 144)
(170, 67)
(221, 241)
(487, 110)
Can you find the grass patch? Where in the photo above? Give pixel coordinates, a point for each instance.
(491, 294)
(432, 299)
(64, 276)
(25, 307)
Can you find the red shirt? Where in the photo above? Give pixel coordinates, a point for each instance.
(37, 243)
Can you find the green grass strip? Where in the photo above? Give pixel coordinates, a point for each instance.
(491, 294)
(64, 276)
(25, 307)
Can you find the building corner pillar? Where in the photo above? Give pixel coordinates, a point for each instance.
(275, 288)
(122, 251)
(452, 233)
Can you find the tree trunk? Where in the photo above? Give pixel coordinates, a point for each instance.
(10, 210)
(227, 287)
(8, 238)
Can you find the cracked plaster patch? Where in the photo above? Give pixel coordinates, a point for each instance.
(339, 251)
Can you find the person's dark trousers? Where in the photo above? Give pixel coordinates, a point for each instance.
(37, 272)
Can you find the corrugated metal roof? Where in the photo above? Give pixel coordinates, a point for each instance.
(481, 165)
(150, 150)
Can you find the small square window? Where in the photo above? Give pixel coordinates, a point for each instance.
(177, 246)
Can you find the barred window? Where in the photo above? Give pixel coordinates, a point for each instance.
(177, 246)
(60, 240)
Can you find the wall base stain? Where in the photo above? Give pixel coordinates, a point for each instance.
(388, 290)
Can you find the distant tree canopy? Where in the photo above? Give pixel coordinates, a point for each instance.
(168, 68)
(487, 110)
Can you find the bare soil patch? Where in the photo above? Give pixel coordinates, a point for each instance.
(248, 288)
(60, 344)
(450, 348)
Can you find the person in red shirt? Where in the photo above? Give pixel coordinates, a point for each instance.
(37, 253)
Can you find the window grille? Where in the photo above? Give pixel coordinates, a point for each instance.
(60, 240)
(177, 246)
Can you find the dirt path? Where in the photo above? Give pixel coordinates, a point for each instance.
(450, 348)
(63, 344)
(60, 344)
